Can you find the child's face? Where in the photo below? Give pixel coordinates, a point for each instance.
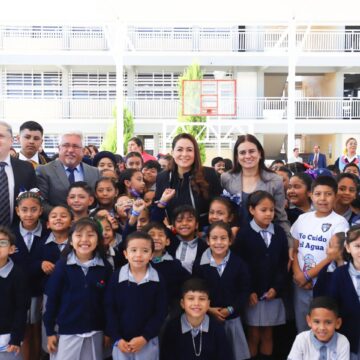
(107, 231)
(134, 162)
(59, 219)
(285, 178)
(219, 242)
(136, 182)
(297, 192)
(123, 205)
(219, 167)
(138, 253)
(352, 170)
(354, 249)
(150, 175)
(29, 211)
(149, 197)
(346, 191)
(84, 242)
(323, 323)
(323, 198)
(333, 251)
(186, 225)
(195, 304)
(160, 239)
(219, 212)
(105, 193)
(5, 249)
(111, 219)
(142, 220)
(105, 163)
(79, 200)
(263, 213)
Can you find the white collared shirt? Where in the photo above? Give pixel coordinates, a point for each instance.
(78, 173)
(11, 182)
(34, 158)
(126, 275)
(190, 253)
(36, 232)
(270, 230)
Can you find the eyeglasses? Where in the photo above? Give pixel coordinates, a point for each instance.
(4, 243)
(69, 146)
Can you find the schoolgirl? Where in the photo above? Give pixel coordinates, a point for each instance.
(345, 288)
(136, 302)
(29, 233)
(131, 183)
(228, 279)
(75, 294)
(105, 194)
(263, 246)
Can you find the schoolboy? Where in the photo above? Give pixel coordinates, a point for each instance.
(312, 232)
(79, 198)
(195, 335)
(150, 171)
(14, 299)
(322, 341)
(170, 269)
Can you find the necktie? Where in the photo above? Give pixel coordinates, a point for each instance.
(184, 246)
(71, 176)
(28, 240)
(34, 164)
(265, 235)
(323, 353)
(4, 196)
(316, 161)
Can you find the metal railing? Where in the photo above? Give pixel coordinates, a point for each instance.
(268, 109)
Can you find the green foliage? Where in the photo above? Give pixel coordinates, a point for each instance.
(193, 72)
(110, 141)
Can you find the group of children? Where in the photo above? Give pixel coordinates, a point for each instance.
(122, 280)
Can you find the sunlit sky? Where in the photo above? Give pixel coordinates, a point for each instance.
(169, 11)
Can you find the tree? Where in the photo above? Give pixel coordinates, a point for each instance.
(110, 141)
(193, 72)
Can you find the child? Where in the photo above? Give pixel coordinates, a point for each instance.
(322, 341)
(150, 171)
(13, 299)
(123, 206)
(134, 160)
(170, 269)
(195, 335)
(105, 194)
(337, 254)
(80, 197)
(149, 197)
(131, 183)
(263, 246)
(28, 244)
(75, 293)
(346, 194)
(345, 289)
(228, 279)
(312, 232)
(298, 195)
(352, 168)
(136, 302)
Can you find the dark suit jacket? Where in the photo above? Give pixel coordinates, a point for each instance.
(54, 184)
(24, 176)
(321, 160)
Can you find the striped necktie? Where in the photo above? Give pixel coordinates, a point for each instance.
(71, 176)
(4, 196)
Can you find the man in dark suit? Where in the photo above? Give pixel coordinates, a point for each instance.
(55, 177)
(317, 160)
(15, 176)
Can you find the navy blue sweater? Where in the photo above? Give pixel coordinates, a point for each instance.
(14, 301)
(343, 291)
(179, 346)
(232, 288)
(75, 301)
(134, 310)
(267, 265)
(323, 282)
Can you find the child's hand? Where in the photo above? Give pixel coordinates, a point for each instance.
(216, 312)
(106, 341)
(47, 267)
(167, 195)
(299, 278)
(270, 294)
(124, 346)
(137, 343)
(139, 205)
(253, 299)
(224, 312)
(13, 349)
(52, 342)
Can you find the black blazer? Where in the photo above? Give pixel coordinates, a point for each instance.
(25, 179)
(170, 179)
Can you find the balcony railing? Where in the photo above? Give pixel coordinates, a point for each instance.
(268, 109)
(187, 38)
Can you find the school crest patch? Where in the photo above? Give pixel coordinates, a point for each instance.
(325, 227)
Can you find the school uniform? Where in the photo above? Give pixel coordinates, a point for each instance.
(14, 301)
(113, 257)
(307, 347)
(323, 281)
(267, 261)
(229, 284)
(135, 309)
(75, 303)
(345, 289)
(207, 342)
(28, 247)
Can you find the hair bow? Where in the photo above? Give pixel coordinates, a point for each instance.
(35, 192)
(236, 198)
